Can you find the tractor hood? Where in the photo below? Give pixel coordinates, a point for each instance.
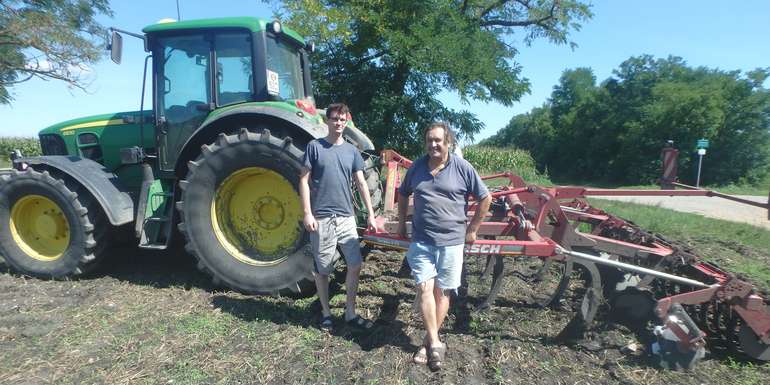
(95, 121)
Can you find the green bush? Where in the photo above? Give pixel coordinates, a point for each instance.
(491, 160)
(28, 146)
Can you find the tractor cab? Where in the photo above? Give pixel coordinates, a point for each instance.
(202, 66)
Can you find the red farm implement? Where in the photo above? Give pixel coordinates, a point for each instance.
(639, 275)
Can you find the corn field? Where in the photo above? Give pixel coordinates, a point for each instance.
(490, 160)
(28, 147)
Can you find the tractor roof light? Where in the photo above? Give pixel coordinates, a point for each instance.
(275, 27)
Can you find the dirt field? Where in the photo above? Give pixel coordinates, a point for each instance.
(151, 318)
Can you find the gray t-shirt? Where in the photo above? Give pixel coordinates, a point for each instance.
(331, 170)
(440, 202)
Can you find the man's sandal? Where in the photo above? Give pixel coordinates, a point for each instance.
(436, 357)
(326, 324)
(360, 322)
(420, 357)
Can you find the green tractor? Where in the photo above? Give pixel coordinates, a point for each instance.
(218, 157)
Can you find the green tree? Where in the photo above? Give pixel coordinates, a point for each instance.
(48, 39)
(389, 59)
(614, 131)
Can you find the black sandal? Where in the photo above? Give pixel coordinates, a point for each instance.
(436, 357)
(326, 324)
(360, 322)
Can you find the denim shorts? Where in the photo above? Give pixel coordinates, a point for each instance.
(445, 263)
(331, 232)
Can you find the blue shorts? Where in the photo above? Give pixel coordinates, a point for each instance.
(445, 263)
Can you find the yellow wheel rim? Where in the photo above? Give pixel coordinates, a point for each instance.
(256, 216)
(39, 227)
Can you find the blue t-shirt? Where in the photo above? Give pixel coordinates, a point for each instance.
(331, 170)
(440, 202)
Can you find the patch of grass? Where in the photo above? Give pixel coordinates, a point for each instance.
(204, 325)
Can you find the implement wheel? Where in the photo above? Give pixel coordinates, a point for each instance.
(48, 227)
(242, 217)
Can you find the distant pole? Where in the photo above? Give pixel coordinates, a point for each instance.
(178, 15)
(701, 152)
(701, 145)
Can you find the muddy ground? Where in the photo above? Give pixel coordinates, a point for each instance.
(152, 318)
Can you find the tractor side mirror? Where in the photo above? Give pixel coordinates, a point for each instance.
(116, 47)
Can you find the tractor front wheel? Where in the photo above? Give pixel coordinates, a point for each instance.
(241, 214)
(48, 227)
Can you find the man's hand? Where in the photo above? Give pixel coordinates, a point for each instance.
(310, 222)
(372, 223)
(470, 236)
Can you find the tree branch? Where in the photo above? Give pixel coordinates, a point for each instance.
(491, 7)
(520, 23)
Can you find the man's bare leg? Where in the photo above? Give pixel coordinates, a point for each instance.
(322, 289)
(351, 286)
(428, 309)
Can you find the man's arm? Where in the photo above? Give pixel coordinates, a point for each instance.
(308, 219)
(364, 190)
(481, 212)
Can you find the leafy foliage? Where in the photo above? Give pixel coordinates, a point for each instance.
(614, 131)
(490, 160)
(389, 59)
(49, 40)
(28, 147)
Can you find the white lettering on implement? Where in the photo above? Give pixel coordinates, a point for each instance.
(482, 249)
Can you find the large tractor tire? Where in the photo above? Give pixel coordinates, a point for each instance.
(51, 226)
(372, 177)
(242, 217)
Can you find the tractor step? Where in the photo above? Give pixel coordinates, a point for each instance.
(158, 217)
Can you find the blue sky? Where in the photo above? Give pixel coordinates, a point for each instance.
(716, 34)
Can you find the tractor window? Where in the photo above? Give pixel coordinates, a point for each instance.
(184, 83)
(234, 80)
(284, 70)
(183, 91)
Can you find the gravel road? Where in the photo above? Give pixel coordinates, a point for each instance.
(710, 207)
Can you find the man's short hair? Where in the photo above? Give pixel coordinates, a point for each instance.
(339, 108)
(449, 135)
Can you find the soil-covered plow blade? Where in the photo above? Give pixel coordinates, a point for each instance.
(640, 275)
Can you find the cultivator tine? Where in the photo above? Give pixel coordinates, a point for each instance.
(498, 266)
(489, 266)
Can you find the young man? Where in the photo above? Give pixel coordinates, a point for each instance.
(327, 200)
(441, 183)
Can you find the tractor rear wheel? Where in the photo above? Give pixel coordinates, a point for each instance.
(49, 226)
(241, 214)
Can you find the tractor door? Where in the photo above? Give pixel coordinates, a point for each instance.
(183, 91)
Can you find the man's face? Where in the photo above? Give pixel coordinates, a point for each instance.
(435, 144)
(336, 122)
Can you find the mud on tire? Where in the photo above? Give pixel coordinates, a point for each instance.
(52, 227)
(231, 249)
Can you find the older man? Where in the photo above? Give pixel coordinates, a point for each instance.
(441, 183)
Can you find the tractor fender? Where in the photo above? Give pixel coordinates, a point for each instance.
(209, 128)
(101, 183)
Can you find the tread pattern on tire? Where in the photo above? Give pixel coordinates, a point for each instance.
(87, 212)
(209, 157)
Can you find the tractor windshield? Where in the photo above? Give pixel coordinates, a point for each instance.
(284, 70)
